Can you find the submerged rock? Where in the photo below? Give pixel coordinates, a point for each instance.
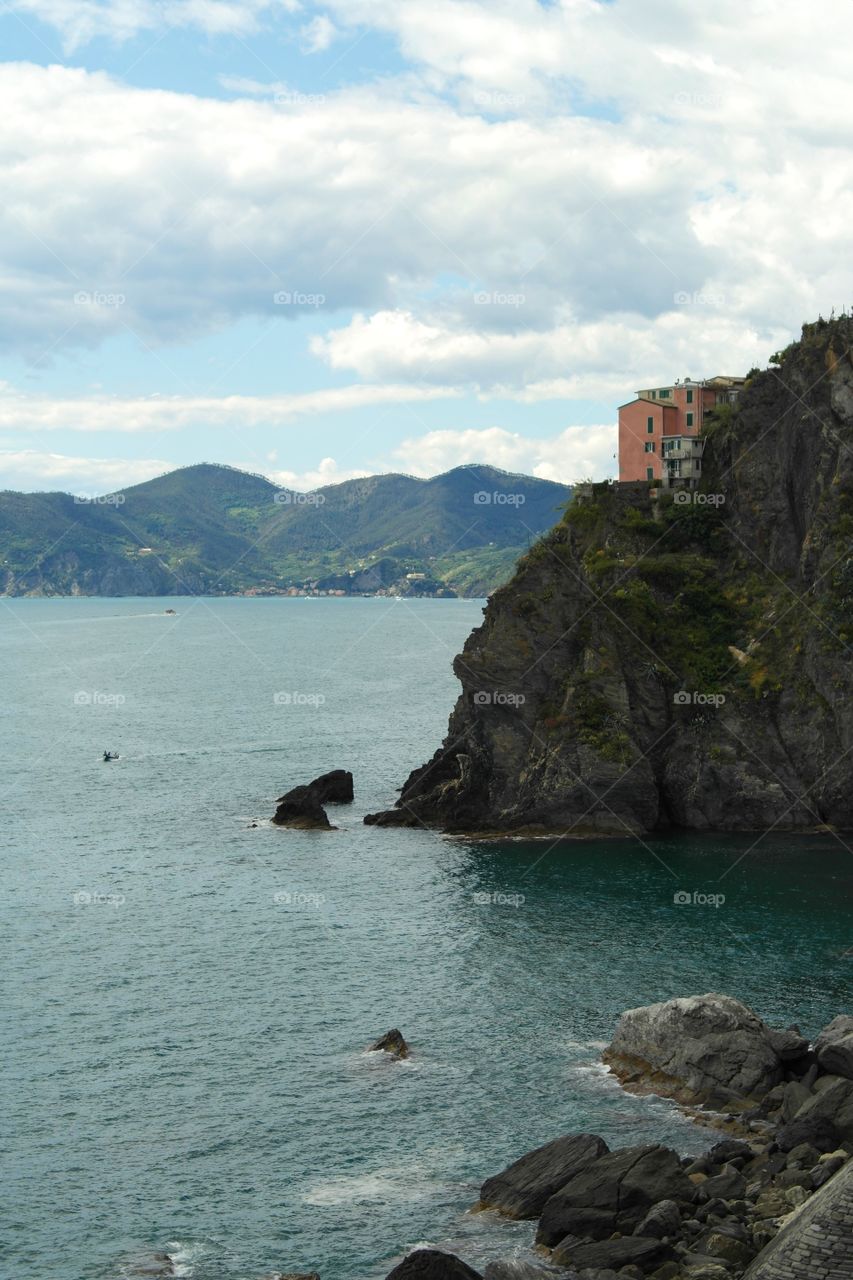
(523, 1188)
(393, 1043)
(433, 1264)
(694, 1048)
(152, 1265)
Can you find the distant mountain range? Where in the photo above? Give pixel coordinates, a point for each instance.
(214, 530)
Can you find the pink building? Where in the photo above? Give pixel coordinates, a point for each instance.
(659, 430)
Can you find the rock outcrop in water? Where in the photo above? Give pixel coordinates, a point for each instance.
(392, 1043)
(773, 1203)
(683, 660)
(302, 806)
(701, 1049)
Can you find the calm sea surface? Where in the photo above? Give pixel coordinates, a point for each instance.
(188, 999)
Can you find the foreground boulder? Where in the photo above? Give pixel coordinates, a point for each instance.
(432, 1264)
(392, 1042)
(699, 1049)
(614, 1193)
(834, 1047)
(523, 1188)
(613, 1254)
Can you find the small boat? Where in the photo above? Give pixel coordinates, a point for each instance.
(110, 755)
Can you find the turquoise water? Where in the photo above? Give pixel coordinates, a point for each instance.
(189, 999)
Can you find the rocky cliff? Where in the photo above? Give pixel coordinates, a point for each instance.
(668, 659)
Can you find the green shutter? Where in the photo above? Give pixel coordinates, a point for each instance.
(689, 396)
(650, 425)
(690, 419)
(650, 473)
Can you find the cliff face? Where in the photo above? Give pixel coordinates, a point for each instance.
(662, 662)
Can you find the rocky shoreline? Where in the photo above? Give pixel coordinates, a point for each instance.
(771, 1200)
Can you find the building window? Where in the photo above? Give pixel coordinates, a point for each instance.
(664, 395)
(690, 419)
(650, 425)
(650, 473)
(689, 395)
(650, 446)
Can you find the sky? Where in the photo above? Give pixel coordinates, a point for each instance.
(317, 241)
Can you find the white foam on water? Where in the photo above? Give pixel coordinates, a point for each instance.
(184, 1253)
(388, 1185)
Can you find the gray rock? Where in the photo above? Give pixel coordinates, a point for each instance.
(391, 1043)
(614, 1193)
(523, 1271)
(692, 1046)
(796, 1096)
(789, 1045)
(522, 1189)
(818, 1131)
(834, 1047)
(432, 1264)
(663, 1219)
(728, 1185)
(611, 1253)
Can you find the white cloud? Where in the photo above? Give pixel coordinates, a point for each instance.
(23, 412)
(575, 454)
(318, 34)
(27, 469)
(80, 21)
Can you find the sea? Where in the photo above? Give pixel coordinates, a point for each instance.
(190, 994)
